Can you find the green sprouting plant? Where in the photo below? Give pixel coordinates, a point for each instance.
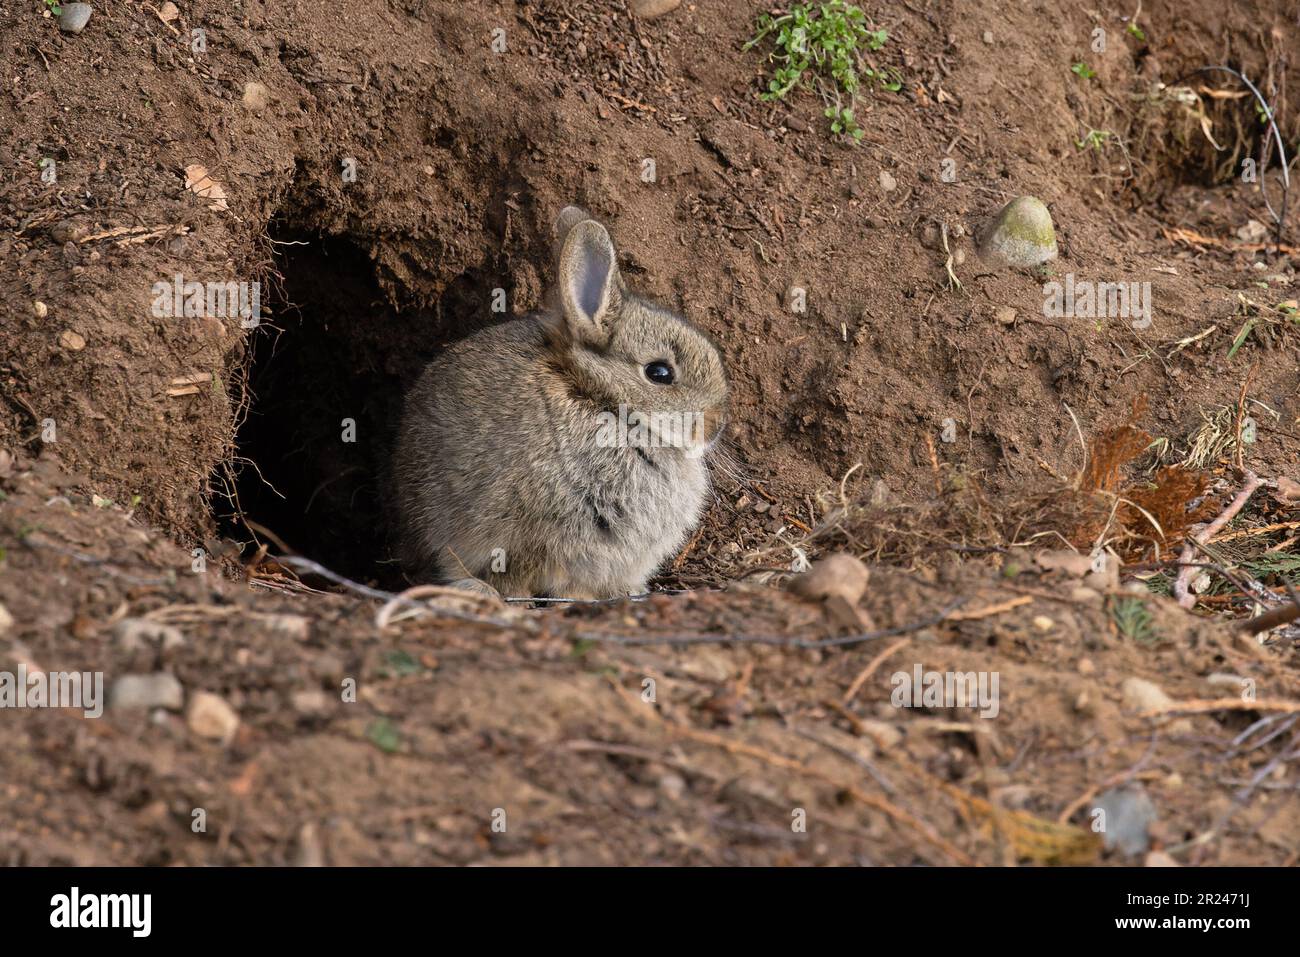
(1094, 139)
(1241, 336)
(814, 42)
(53, 7)
(1133, 619)
(1282, 564)
(399, 664)
(1083, 70)
(842, 121)
(1159, 584)
(1137, 31)
(1265, 324)
(384, 735)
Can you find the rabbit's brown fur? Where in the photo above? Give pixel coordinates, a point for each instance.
(503, 473)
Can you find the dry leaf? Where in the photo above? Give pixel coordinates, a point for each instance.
(197, 180)
(1288, 490)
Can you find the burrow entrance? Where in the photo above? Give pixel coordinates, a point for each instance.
(328, 370)
(1203, 130)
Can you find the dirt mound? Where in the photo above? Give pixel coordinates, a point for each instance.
(386, 175)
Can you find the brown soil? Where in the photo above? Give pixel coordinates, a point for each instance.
(174, 434)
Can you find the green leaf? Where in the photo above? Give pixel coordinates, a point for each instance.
(400, 664)
(1241, 336)
(383, 734)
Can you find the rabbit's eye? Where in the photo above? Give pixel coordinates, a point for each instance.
(659, 372)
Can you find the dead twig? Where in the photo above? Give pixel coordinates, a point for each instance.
(1241, 414)
(870, 669)
(1182, 583)
(990, 610)
(1224, 704)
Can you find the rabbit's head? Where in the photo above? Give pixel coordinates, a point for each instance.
(620, 350)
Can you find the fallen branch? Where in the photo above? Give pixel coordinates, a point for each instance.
(1181, 589)
(1270, 619)
(1224, 704)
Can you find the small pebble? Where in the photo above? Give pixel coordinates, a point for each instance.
(1084, 595)
(209, 716)
(66, 231)
(311, 701)
(158, 690)
(887, 181)
(835, 575)
(296, 627)
(40, 310)
(1129, 814)
(72, 340)
(256, 96)
(649, 9)
(1141, 695)
(1253, 232)
(672, 785)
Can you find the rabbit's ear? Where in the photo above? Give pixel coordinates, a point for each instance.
(589, 280)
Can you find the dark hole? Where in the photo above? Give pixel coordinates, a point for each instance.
(331, 363)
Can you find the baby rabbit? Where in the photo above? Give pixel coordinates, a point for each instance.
(561, 454)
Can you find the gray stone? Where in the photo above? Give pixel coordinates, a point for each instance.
(1021, 235)
(158, 690)
(73, 17)
(1129, 815)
